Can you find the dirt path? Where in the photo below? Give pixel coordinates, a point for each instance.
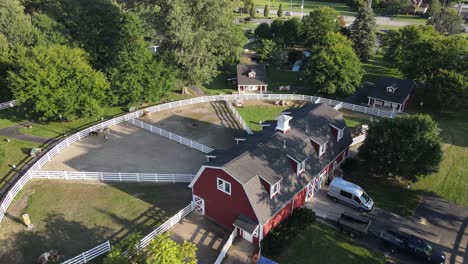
(14, 132)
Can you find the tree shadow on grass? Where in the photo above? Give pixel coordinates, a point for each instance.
(69, 237)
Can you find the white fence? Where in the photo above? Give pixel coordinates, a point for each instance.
(105, 247)
(90, 254)
(171, 136)
(358, 139)
(113, 176)
(239, 118)
(8, 104)
(226, 247)
(47, 156)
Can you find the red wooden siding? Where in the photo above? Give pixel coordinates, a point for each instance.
(299, 199)
(316, 146)
(334, 131)
(293, 164)
(221, 207)
(278, 218)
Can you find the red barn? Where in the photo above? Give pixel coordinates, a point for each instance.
(257, 184)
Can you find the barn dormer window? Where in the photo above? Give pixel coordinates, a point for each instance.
(300, 167)
(391, 89)
(275, 189)
(252, 73)
(322, 148)
(224, 186)
(339, 134)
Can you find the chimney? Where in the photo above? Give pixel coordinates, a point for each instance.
(283, 123)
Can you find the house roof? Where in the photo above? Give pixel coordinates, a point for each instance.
(260, 74)
(246, 224)
(265, 155)
(403, 89)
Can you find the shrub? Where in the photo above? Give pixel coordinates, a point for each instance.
(350, 164)
(279, 236)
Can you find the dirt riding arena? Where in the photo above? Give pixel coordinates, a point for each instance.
(211, 124)
(128, 149)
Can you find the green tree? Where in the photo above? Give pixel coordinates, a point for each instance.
(275, 29)
(15, 25)
(57, 80)
(280, 11)
(50, 31)
(420, 52)
(197, 37)
(434, 8)
(263, 31)
(290, 31)
(363, 33)
(447, 21)
(334, 69)
(396, 6)
(268, 51)
(136, 76)
(446, 90)
(127, 252)
(252, 11)
(266, 11)
(407, 146)
(318, 24)
(165, 251)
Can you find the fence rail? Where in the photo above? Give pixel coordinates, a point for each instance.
(47, 156)
(239, 118)
(358, 139)
(171, 136)
(113, 176)
(226, 247)
(105, 247)
(8, 104)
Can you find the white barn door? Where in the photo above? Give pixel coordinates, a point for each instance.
(199, 204)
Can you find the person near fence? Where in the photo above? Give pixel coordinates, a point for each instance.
(106, 138)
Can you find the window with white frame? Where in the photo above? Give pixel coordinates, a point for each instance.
(322, 148)
(224, 186)
(339, 135)
(300, 167)
(274, 189)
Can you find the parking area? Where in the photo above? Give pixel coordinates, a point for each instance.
(211, 124)
(208, 236)
(128, 149)
(325, 208)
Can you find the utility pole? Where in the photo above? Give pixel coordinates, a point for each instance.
(302, 10)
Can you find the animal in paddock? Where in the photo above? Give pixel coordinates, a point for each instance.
(49, 257)
(93, 133)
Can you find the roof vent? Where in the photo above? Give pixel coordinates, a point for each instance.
(283, 123)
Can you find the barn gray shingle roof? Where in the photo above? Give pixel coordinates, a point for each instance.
(264, 156)
(404, 88)
(260, 74)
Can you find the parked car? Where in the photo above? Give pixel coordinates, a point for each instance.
(350, 194)
(412, 245)
(287, 13)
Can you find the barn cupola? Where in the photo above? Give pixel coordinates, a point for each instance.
(252, 73)
(283, 123)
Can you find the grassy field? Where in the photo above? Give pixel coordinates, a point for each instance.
(409, 18)
(254, 114)
(16, 152)
(341, 7)
(354, 119)
(322, 244)
(279, 77)
(451, 182)
(74, 217)
(376, 68)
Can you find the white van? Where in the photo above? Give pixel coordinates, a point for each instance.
(350, 194)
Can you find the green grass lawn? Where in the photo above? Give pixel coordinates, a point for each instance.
(252, 115)
(279, 77)
(376, 68)
(409, 18)
(451, 182)
(11, 117)
(219, 85)
(354, 119)
(341, 7)
(322, 244)
(16, 152)
(74, 217)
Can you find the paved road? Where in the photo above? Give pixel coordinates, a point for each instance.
(442, 223)
(14, 132)
(380, 20)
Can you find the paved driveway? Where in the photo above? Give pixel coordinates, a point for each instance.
(442, 223)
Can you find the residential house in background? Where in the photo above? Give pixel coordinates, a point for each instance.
(392, 93)
(255, 185)
(252, 78)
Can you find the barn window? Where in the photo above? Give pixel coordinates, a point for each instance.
(339, 135)
(274, 189)
(322, 148)
(300, 167)
(224, 186)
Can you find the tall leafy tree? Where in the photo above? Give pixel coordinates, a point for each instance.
(280, 11)
(420, 52)
(318, 24)
(252, 11)
(58, 80)
(266, 11)
(407, 146)
(334, 69)
(137, 76)
(363, 32)
(263, 31)
(50, 31)
(446, 90)
(268, 50)
(197, 36)
(15, 25)
(290, 31)
(396, 6)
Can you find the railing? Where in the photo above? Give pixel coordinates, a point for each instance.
(239, 118)
(8, 104)
(90, 254)
(226, 247)
(113, 176)
(358, 139)
(105, 247)
(47, 156)
(171, 136)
